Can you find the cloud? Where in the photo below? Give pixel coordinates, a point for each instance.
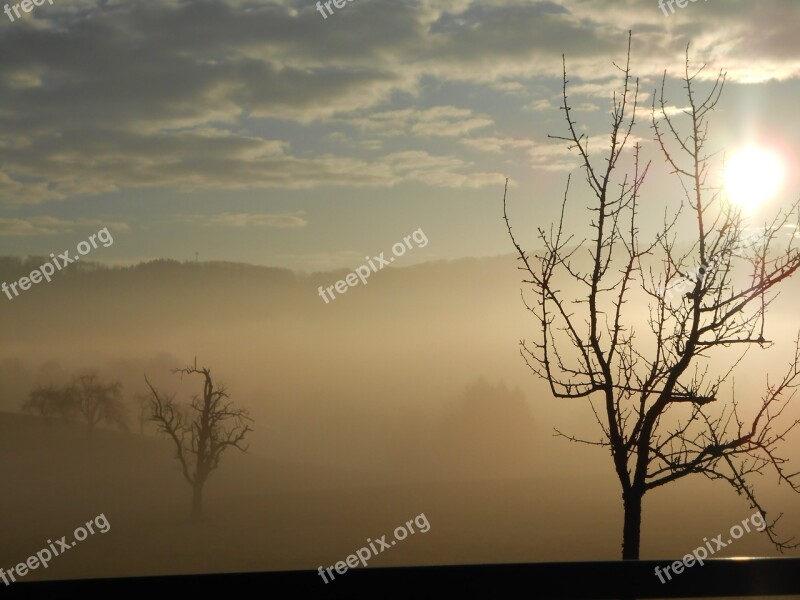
(278, 221)
(541, 104)
(671, 110)
(46, 225)
(83, 164)
(97, 96)
(17, 192)
(443, 121)
(552, 156)
(437, 171)
(496, 145)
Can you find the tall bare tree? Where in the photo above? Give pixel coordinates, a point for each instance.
(665, 410)
(201, 431)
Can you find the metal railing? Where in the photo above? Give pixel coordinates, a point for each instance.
(718, 578)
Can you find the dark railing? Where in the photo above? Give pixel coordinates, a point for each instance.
(718, 578)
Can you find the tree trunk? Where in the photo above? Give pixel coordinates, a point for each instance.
(197, 502)
(632, 528)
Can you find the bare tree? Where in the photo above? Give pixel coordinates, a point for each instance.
(51, 402)
(98, 401)
(201, 431)
(663, 411)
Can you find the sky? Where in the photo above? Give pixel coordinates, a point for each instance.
(267, 133)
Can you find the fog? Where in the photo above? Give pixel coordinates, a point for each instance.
(404, 396)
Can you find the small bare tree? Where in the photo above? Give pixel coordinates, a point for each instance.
(201, 431)
(662, 411)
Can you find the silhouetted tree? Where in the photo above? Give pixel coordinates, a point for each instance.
(658, 397)
(201, 431)
(98, 402)
(51, 402)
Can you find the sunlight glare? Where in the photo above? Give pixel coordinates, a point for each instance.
(753, 176)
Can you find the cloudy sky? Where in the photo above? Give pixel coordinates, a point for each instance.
(261, 132)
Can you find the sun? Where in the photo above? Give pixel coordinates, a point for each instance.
(753, 176)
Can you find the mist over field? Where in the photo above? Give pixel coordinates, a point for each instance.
(402, 397)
